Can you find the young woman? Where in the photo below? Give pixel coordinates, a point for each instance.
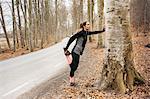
(78, 49)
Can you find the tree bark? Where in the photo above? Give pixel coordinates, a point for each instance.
(56, 21)
(118, 70)
(42, 23)
(100, 4)
(25, 24)
(75, 15)
(47, 14)
(19, 21)
(90, 16)
(30, 26)
(81, 11)
(24, 11)
(15, 35)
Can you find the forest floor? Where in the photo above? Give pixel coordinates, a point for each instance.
(89, 71)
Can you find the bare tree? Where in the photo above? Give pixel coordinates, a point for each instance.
(100, 5)
(19, 21)
(30, 26)
(90, 15)
(81, 11)
(47, 15)
(24, 11)
(56, 20)
(4, 26)
(15, 35)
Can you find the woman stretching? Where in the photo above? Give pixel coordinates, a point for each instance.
(78, 49)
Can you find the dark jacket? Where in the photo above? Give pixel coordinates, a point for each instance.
(81, 40)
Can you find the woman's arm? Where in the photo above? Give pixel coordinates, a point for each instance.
(95, 32)
(72, 39)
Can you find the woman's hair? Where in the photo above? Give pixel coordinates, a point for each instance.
(83, 24)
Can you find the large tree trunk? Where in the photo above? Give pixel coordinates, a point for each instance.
(100, 5)
(4, 26)
(118, 70)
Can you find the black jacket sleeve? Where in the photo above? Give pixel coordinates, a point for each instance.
(95, 32)
(73, 38)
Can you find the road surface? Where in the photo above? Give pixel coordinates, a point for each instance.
(21, 74)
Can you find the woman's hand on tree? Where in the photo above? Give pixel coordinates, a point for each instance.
(103, 29)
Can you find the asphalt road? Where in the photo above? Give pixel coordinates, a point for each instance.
(21, 74)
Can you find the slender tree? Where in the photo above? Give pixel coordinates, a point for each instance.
(56, 20)
(90, 15)
(30, 26)
(4, 26)
(100, 6)
(15, 35)
(81, 11)
(47, 15)
(19, 25)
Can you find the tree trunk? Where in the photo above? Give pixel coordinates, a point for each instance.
(81, 11)
(20, 28)
(36, 32)
(1, 50)
(75, 15)
(90, 15)
(118, 70)
(25, 25)
(42, 24)
(23, 8)
(15, 35)
(47, 20)
(100, 5)
(56, 21)
(30, 26)
(4, 26)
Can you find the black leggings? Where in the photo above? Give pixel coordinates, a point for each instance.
(74, 63)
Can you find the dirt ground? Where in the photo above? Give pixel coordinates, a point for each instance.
(89, 72)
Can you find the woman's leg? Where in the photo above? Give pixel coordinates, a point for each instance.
(74, 65)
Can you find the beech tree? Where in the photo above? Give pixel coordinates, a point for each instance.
(118, 69)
